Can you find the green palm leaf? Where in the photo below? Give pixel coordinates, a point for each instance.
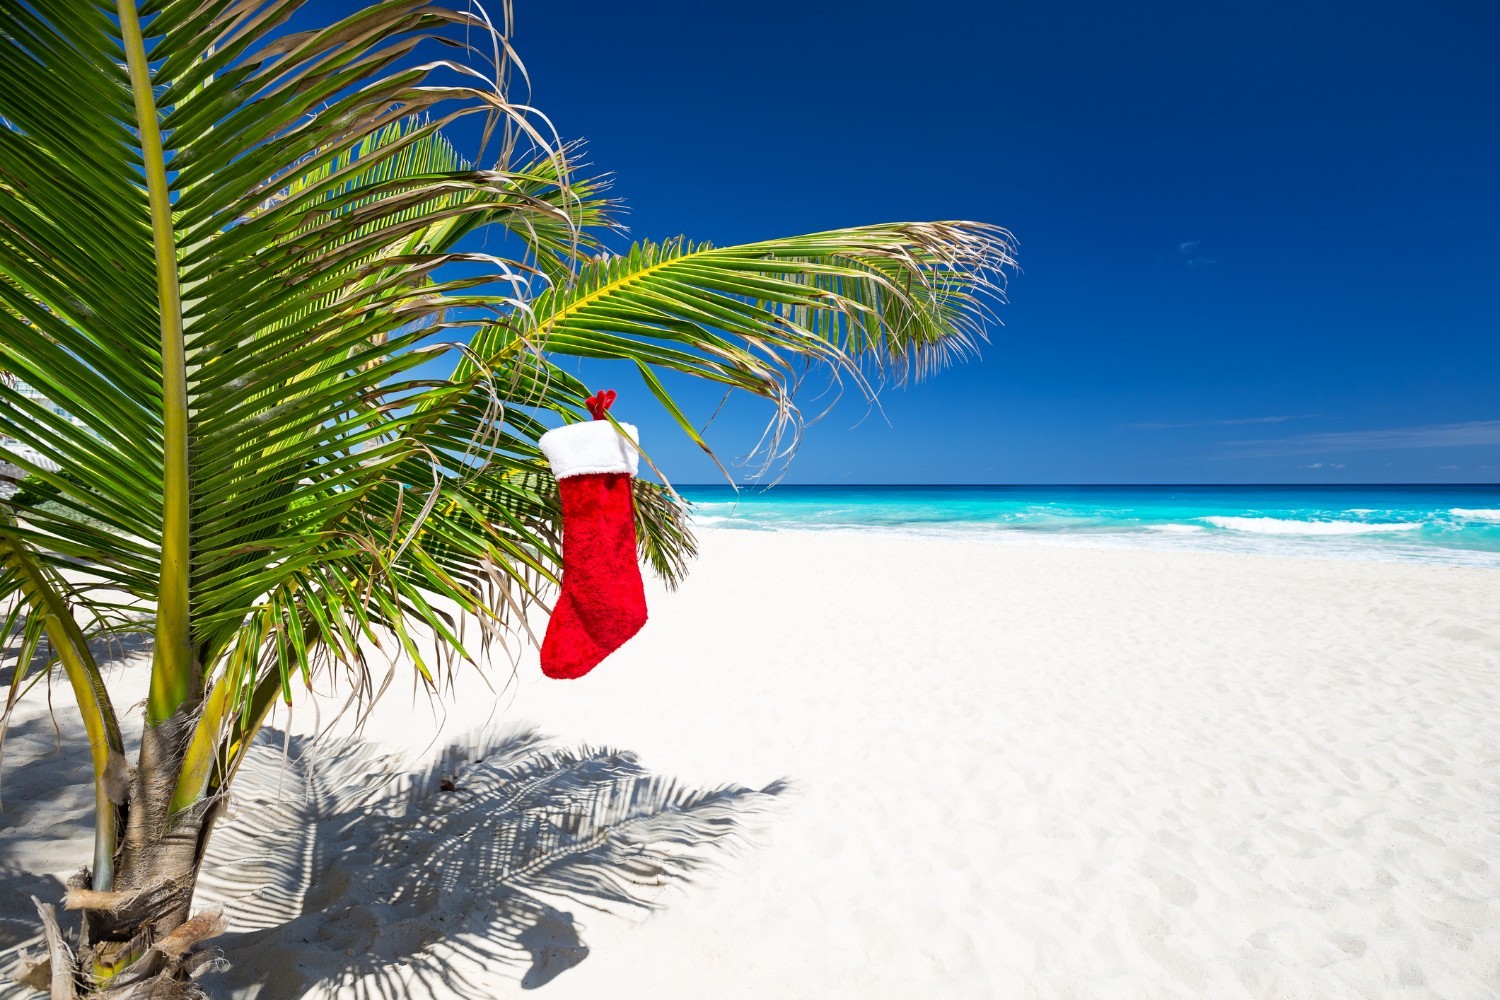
(898, 301)
(228, 262)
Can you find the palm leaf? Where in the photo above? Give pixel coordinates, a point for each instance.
(228, 257)
(891, 301)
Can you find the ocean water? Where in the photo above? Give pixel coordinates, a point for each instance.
(1447, 525)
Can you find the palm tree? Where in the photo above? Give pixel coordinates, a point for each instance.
(228, 249)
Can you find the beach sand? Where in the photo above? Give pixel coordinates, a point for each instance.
(1013, 772)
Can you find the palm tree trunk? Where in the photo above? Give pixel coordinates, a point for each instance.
(134, 935)
(138, 941)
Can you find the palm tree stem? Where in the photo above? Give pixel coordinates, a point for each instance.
(173, 677)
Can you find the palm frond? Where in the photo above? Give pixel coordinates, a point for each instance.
(881, 302)
(235, 258)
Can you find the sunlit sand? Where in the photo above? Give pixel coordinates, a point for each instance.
(1013, 772)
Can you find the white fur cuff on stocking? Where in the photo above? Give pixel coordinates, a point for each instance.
(590, 447)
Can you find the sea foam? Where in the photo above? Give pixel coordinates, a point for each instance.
(1475, 515)
(1283, 526)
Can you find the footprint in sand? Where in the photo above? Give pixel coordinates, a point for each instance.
(1351, 944)
(1174, 888)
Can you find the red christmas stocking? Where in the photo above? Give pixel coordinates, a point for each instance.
(602, 603)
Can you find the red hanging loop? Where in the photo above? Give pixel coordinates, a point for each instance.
(599, 402)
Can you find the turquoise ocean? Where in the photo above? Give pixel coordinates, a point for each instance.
(1445, 525)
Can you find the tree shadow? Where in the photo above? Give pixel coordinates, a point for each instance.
(46, 813)
(111, 653)
(339, 868)
(46, 793)
(46, 773)
(20, 930)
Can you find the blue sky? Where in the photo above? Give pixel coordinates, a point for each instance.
(1257, 241)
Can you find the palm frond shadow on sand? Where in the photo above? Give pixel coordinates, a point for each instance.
(46, 796)
(338, 869)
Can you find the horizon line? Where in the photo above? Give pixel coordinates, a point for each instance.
(1114, 485)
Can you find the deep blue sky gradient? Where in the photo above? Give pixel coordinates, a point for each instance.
(1258, 242)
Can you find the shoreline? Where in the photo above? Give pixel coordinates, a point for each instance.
(1143, 540)
(1419, 524)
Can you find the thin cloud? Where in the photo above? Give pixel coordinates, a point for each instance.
(1231, 422)
(1188, 249)
(1473, 432)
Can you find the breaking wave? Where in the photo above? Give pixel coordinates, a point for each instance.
(1284, 526)
(1442, 526)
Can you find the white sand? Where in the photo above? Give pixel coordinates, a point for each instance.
(1018, 772)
